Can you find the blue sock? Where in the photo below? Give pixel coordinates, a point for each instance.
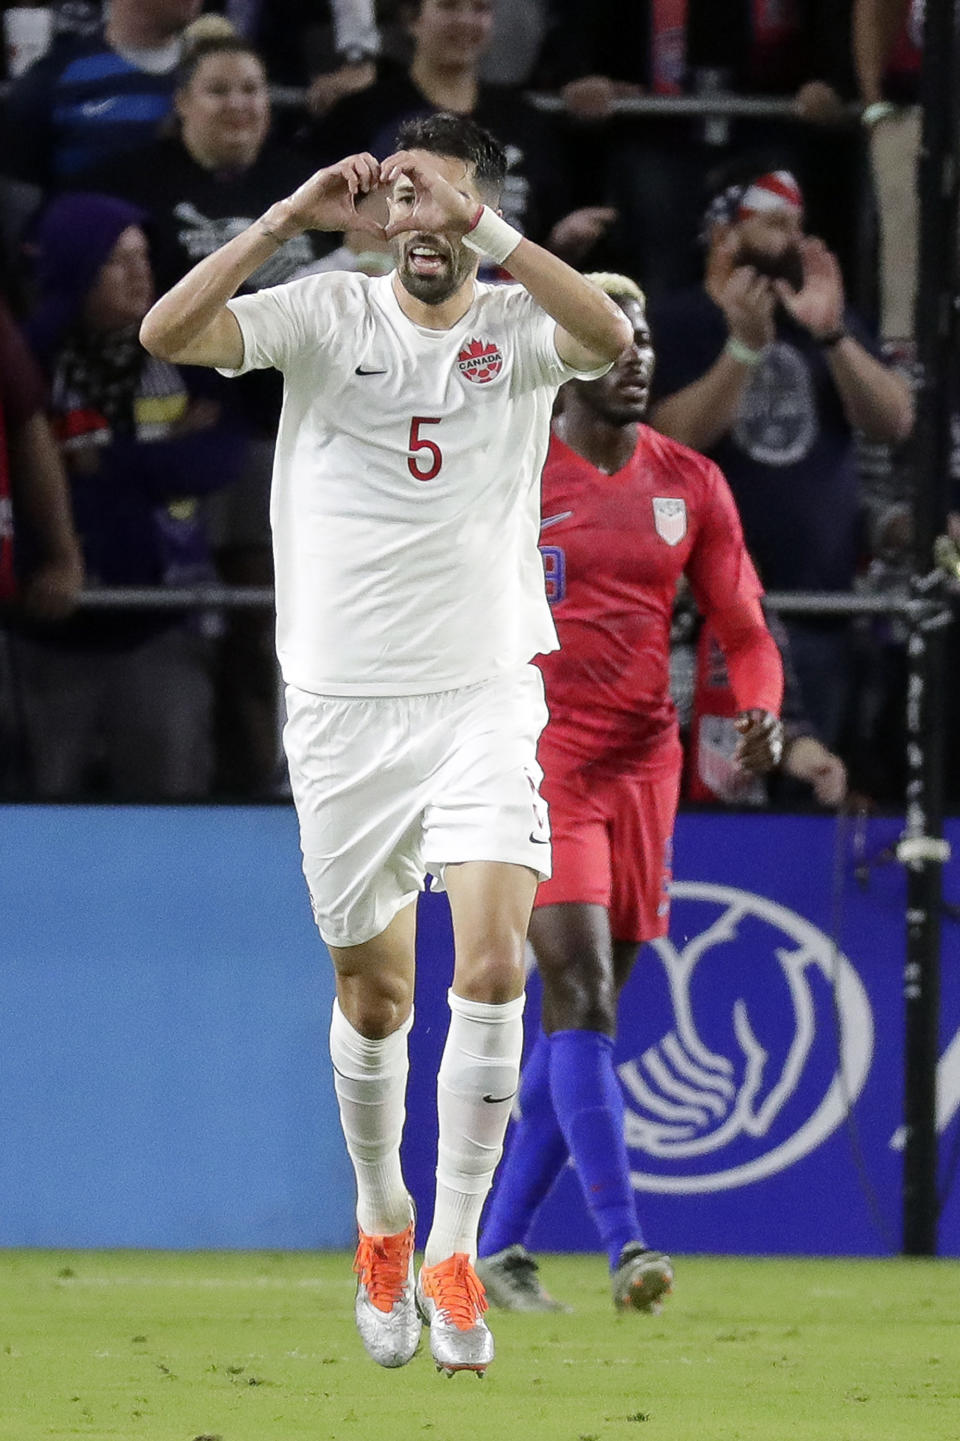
(589, 1106)
(535, 1157)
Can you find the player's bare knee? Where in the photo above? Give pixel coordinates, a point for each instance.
(374, 1006)
(494, 977)
(577, 1000)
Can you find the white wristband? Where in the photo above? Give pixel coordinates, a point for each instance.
(744, 353)
(491, 235)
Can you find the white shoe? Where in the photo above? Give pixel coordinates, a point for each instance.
(386, 1311)
(451, 1300)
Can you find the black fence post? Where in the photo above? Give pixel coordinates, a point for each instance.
(922, 847)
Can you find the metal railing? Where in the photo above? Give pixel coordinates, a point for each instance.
(713, 103)
(225, 597)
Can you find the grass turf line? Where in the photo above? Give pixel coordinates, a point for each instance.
(147, 1346)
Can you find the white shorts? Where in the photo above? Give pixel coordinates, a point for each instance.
(388, 788)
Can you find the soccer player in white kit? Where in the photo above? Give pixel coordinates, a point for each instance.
(410, 600)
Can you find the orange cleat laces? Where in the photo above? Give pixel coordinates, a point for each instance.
(383, 1264)
(457, 1290)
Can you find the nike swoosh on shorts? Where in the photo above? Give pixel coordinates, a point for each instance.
(555, 519)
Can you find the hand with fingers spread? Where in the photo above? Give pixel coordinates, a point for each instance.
(328, 200)
(748, 301)
(760, 746)
(424, 199)
(575, 235)
(818, 305)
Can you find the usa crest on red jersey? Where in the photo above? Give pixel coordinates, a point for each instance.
(670, 518)
(480, 361)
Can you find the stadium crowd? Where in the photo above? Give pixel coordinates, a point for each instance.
(139, 136)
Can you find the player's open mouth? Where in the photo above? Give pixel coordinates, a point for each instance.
(424, 260)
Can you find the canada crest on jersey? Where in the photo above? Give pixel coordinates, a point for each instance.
(670, 518)
(480, 361)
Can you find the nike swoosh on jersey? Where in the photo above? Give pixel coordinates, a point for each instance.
(555, 519)
(360, 371)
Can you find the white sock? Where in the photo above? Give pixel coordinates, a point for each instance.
(481, 1059)
(370, 1079)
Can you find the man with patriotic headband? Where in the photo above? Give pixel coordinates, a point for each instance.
(766, 370)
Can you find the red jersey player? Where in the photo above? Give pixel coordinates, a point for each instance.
(625, 513)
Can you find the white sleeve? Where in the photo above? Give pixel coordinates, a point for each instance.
(536, 338)
(279, 325)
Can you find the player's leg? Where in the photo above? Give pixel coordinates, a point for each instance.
(486, 838)
(642, 829)
(536, 1154)
(360, 835)
(490, 903)
(372, 1016)
(537, 1149)
(574, 956)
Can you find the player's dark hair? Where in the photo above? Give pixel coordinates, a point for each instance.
(459, 136)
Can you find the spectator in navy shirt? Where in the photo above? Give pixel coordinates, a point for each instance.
(765, 369)
(200, 186)
(96, 95)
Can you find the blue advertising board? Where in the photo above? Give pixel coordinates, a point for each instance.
(760, 1048)
(164, 1008)
(164, 1077)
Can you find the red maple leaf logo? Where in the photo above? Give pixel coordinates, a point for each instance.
(480, 361)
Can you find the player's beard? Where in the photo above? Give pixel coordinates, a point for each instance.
(432, 289)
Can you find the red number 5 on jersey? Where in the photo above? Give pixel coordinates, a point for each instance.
(419, 442)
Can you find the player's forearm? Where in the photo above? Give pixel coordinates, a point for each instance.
(753, 659)
(875, 400)
(42, 488)
(703, 412)
(175, 327)
(589, 316)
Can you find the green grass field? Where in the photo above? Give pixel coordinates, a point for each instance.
(255, 1347)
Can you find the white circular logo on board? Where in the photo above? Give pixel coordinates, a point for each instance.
(759, 1060)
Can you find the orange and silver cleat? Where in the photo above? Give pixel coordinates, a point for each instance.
(386, 1310)
(451, 1300)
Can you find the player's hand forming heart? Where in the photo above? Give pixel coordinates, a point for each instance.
(328, 200)
(423, 199)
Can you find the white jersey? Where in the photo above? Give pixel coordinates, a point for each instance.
(406, 485)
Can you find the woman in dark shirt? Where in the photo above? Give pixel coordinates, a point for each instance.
(198, 187)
